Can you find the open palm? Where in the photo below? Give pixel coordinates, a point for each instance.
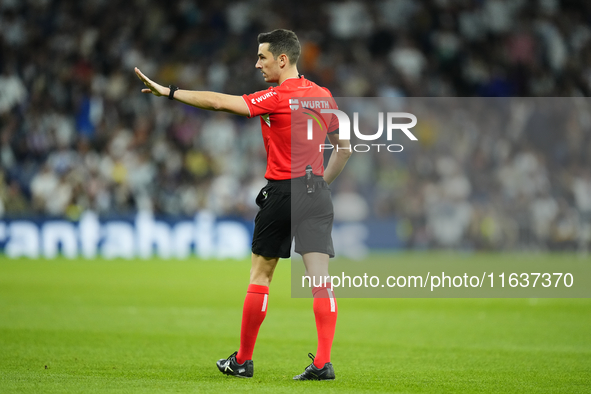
(153, 87)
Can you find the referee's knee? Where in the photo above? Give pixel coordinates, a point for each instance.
(262, 269)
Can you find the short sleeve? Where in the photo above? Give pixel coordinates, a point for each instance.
(261, 103)
(333, 126)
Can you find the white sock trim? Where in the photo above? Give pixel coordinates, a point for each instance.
(331, 297)
(264, 303)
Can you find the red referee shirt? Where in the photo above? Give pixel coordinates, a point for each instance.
(273, 106)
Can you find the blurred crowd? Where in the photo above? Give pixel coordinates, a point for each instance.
(485, 173)
(76, 134)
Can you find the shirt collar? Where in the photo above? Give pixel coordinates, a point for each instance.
(298, 77)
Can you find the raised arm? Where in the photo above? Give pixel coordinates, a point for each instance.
(340, 154)
(205, 100)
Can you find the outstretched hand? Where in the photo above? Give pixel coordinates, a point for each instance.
(153, 87)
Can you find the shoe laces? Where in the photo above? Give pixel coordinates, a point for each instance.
(232, 355)
(311, 356)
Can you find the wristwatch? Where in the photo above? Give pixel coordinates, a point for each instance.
(172, 90)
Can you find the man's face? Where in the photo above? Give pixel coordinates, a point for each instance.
(268, 65)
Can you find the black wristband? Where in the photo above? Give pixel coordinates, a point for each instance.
(172, 90)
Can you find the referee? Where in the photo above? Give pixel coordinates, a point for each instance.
(296, 201)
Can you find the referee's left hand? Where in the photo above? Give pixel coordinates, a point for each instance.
(153, 87)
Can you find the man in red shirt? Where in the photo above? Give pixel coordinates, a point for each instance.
(292, 204)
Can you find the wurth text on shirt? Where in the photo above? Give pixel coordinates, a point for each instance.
(263, 97)
(345, 130)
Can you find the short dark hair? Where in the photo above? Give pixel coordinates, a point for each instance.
(282, 41)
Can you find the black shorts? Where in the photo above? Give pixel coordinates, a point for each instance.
(288, 211)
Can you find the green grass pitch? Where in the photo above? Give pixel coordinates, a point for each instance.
(155, 326)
